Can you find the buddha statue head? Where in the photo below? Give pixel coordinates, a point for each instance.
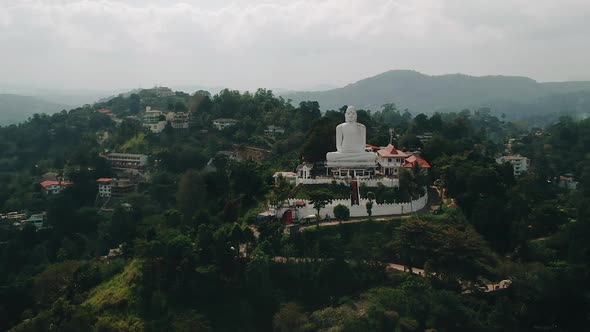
(350, 114)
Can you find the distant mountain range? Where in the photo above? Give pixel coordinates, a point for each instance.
(419, 93)
(16, 108)
(516, 97)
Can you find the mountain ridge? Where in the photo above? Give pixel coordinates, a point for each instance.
(422, 93)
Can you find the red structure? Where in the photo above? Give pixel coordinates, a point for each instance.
(287, 218)
(354, 193)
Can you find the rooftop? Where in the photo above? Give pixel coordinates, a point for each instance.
(391, 152)
(49, 183)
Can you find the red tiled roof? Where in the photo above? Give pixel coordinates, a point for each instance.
(391, 152)
(412, 160)
(104, 180)
(48, 183)
(372, 147)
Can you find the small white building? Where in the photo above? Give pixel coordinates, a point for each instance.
(51, 187)
(223, 123)
(304, 171)
(520, 164)
(288, 176)
(108, 187)
(178, 120)
(154, 120)
(567, 182)
(274, 130)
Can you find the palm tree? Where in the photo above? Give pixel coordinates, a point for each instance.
(417, 178)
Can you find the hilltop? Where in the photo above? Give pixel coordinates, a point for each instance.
(17, 108)
(513, 95)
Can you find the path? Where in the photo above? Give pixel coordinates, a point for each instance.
(390, 267)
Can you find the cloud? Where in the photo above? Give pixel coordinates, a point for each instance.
(289, 44)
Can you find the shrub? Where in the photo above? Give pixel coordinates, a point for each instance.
(341, 212)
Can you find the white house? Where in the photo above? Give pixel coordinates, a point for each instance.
(154, 120)
(288, 176)
(223, 123)
(178, 120)
(127, 160)
(304, 171)
(274, 130)
(51, 187)
(520, 164)
(108, 187)
(567, 182)
(390, 160)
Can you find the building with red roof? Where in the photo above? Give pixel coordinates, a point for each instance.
(51, 187)
(413, 159)
(390, 160)
(108, 187)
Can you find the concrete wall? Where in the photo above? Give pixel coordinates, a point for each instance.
(359, 210)
(388, 182)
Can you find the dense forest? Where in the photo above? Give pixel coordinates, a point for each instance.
(194, 256)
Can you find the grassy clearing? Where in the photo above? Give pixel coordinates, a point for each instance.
(119, 292)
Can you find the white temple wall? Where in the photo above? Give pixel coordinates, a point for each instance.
(359, 210)
(389, 182)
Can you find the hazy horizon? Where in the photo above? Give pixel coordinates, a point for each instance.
(293, 45)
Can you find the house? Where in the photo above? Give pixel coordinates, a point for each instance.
(290, 177)
(520, 164)
(304, 171)
(154, 120)
(127, 161)
(391, 159)
(108, 113)
(102, 137)
(223, 123)
(567, 182)
(414, 159)
(425, 137)
(52, 187)
(109, 187)
(178, 120)
(274, 130)
(37, 220)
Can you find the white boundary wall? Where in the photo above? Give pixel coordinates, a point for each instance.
(387, 182)
(358, 210)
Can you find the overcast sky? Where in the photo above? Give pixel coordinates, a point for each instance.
(292, 44)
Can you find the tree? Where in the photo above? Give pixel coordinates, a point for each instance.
(319, 199)
(371, 197)
(341, 212)
(190, 195)
(290, 318)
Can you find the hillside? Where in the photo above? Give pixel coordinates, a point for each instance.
(423, 93)
(16, 108)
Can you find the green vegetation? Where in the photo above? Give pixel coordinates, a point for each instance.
(516, 97)
(341, 212)
(191, 254)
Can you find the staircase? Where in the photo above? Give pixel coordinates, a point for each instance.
(354, 196)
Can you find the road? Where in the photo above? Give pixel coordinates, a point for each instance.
(390, 267)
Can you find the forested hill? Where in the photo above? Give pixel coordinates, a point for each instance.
(16, 108)
(512, 95)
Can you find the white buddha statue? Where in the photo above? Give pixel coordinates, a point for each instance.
(350, 143)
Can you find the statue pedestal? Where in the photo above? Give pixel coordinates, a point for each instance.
(351, 164)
